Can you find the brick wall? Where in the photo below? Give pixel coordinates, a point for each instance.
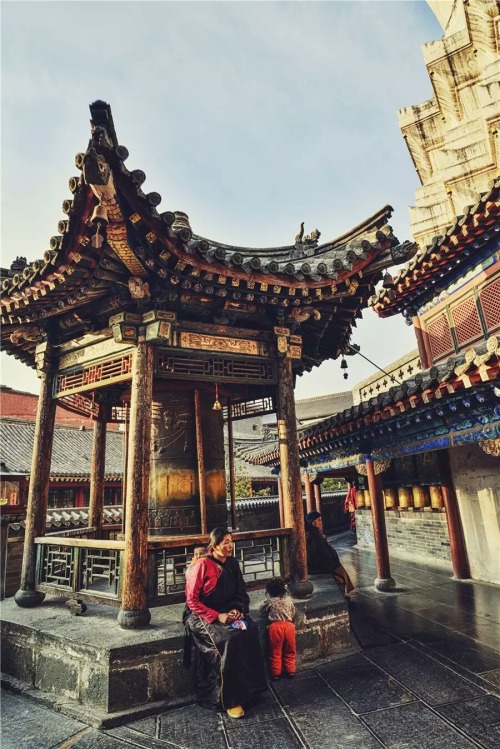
(421, 535)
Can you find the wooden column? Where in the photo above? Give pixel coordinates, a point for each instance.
(290, 477)
(384, 581)
(134, 612)
(457, 543)
(230, 447)
(309, 493)
(125, 464)
(36, 511)
(317, 498)
(280, 503)
(423, 352)
(201, 462)
(97, 470)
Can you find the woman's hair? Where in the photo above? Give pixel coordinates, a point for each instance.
(276, 588)
(217, 535)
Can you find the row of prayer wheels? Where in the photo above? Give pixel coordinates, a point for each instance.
(405, 497)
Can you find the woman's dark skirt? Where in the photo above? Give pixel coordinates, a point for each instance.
(229, 663)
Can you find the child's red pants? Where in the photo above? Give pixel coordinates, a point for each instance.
(282, 649)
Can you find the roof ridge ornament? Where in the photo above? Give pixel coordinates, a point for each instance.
(309, 239)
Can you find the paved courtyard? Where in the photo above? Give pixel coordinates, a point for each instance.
(428, 677)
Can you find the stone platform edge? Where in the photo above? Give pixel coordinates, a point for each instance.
(90, 669)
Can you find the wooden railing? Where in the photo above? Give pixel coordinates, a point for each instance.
(80, 567)
(90, 569)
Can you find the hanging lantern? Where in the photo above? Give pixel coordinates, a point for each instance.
(343, 365)
(217, 404)
(388, 281)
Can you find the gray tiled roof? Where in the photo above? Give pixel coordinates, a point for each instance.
(322, 406)
(71, 452)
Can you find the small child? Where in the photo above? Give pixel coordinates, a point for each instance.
(280, 612)
(199, 552)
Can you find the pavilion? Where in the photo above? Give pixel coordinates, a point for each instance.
(131, 316)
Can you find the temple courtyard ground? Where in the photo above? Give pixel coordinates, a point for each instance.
(427, 677)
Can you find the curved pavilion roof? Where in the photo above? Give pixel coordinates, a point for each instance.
(129, 256)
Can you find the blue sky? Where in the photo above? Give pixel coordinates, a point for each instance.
(249, 116)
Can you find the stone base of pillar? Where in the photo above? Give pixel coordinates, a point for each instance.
(28, 599)
(301, 590)
(134, 619)
(384, 583)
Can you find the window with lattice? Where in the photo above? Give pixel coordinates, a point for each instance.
(466, 321)
(440, 338)
(490, 302)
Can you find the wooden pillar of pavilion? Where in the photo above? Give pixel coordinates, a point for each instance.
(383, 581)
(309, 493)
(280, 503)
(457, 543)
(317, 498)
(98, 469)
(134, 611)
(423, 348)
(290, 475)
(36, 511)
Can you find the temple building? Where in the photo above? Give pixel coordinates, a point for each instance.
(453, 138)
(132, 317)
(422, 440)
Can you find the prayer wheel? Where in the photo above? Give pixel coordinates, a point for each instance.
(405, 497)
(420, 497)
(368, 499)
(177, 485)
(360, 498)
(390, 497)
(436, 497)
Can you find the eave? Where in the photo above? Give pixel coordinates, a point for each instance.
(116, 252)
(433, 269)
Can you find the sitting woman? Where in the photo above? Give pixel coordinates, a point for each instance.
(230, 667)
(321, 557)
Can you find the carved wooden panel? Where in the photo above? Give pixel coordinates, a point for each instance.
(205, 367)
(93, 376)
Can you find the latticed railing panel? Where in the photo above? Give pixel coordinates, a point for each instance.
(57, 566)
(100, 571)
(79, 570)
(259, 558)
(185, 366)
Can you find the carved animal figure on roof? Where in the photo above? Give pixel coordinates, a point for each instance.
(298, 238)
(301, 315)
(17, 265)
(403, 252)
(96, 171)
(313, 237)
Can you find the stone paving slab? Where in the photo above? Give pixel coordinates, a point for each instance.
(331, 725)
(415, 727)
(429, 680)
(26, 725)
(480, 719)
(363, 686)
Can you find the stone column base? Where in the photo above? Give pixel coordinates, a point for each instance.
(28, 599)
(301, 589)
(384, 583)
(134, 619)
